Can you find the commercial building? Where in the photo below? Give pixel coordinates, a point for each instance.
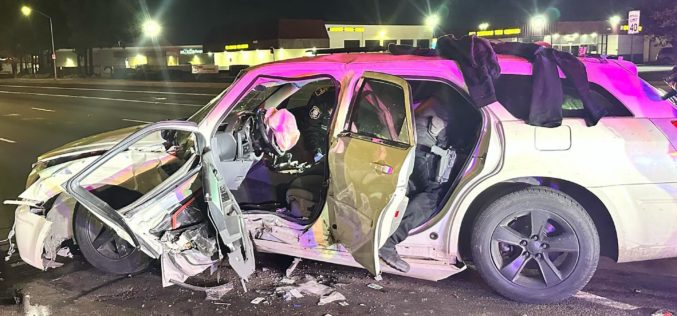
(582, 37)
(247, 45)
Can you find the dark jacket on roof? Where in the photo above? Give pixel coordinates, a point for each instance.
(479, 65)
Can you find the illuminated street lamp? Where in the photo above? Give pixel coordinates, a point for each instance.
(483, 26)
(615, 20)
(538, 22)
(26, 11)
(432, 21)
(151, 28)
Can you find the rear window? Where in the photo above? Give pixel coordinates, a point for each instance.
(514, 93)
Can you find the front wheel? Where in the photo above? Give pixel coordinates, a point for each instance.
(536, 245)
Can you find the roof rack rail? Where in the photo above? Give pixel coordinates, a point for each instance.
(329, 51)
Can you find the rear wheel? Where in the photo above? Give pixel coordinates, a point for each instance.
(100, 245)
(536, 245)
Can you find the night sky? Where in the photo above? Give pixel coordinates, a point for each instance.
(187, 22)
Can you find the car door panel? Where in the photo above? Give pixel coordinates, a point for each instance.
(225, 214)
(370, 166)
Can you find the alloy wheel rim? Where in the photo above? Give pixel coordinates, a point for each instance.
(535, 249)
(105, 241)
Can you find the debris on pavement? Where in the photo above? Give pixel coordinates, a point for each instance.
(331, 297)
(374, 286)
(292, 267)
(288, 281)
(295, 293)
(258, 300)
(36, 310)
(343, 303)
(214, 293)
(311, 286)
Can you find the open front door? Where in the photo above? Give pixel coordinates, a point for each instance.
(151, 165)
(370, 162)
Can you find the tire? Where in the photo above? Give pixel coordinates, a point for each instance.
(110, 253)
(537, 263)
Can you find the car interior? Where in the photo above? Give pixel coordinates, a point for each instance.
(291, 183)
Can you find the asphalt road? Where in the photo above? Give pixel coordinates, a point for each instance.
(38, 116)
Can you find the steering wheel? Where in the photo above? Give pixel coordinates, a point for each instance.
(263, 131)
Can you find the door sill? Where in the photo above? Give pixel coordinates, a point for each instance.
(420, 268)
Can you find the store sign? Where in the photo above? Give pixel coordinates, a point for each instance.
(633, 22)
(190, 51)
(237, 46)
(205, 69)
(500, 32)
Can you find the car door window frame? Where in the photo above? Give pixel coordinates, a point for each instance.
(115, 218)
(347, 132)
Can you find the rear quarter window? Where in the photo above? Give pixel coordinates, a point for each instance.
(514, 93)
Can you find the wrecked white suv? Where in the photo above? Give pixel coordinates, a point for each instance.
(532, 207)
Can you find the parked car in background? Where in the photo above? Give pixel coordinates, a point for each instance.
(532, 208)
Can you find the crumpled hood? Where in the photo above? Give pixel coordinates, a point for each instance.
(98, 142)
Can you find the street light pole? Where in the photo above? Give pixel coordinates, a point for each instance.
(51, 33)
(26, 10)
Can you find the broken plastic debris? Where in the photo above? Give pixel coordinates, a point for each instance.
(292, 267)
(295, 293)
(375, 286)
(343, 303)
(258, 300)
(331, 297)
(214, 293)
(312, 287)
(64, 252)
(286, 280)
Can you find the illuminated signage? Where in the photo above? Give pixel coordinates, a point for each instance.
(345, 29)
(627, 27)
(190, 51)
(500, 32)
(237, 46)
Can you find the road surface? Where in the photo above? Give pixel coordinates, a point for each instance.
(38, 116)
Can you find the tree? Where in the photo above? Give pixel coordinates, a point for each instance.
(97, 23)
(659, 19)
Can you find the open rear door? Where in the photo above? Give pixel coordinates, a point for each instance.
(370, 162)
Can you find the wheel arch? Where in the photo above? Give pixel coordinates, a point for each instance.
(599, 213)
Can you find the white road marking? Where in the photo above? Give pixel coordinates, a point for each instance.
(99, 98)
(7, 140)
(113, 90)
(605, 301)
(136, 121)
(44, 110)
(12, 114)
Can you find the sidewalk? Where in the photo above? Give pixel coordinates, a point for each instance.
(116, 83)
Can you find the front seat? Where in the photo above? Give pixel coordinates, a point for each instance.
(303, 194)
